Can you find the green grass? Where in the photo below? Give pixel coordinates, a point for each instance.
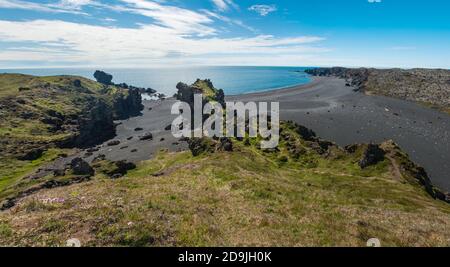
(239, 198)
(26, 118)
(13, 170)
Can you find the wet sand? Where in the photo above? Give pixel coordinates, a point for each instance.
(334, 111)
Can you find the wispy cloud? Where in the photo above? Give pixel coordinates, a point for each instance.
(229, 20)
(64, 6)
(263, 10)
(224, 5)
(171, 35)
(148, 44)
(374, 1)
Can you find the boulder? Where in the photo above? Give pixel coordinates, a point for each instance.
(225, 144)
(146, 136)
(113, 143)
(199, 146)
(371, 156)
(103, 77)
(77, 83)
(81, 167)
(32, 154)
(121, 168)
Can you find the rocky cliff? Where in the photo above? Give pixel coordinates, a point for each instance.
(428, 86)
(61, 110)
(186, 92)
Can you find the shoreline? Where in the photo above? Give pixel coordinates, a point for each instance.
(313, 82)
(331, 109)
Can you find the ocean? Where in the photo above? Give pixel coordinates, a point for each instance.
(233, 80)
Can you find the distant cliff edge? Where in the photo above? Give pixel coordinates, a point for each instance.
(427, 86)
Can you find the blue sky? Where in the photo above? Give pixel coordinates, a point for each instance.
(159, 33)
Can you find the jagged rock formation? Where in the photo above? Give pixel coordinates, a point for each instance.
(198, 146)
(103, 77)
(205, 87)
(371, 156)
(61, 111)
(41, 117)
(422, 85)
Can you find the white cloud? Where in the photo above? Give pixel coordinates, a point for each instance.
(65, 6)
(228, 20)
(73, 4)
(374, 1)
(224, 5)
(182, 21)
(60, 41)
(172, 35)
(263, 10)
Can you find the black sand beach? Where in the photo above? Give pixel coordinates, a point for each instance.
(334, 111)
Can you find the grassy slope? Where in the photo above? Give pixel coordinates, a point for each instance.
(246, 197)
(41, 96)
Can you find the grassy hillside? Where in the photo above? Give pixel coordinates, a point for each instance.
(306, 193)
(41, 118)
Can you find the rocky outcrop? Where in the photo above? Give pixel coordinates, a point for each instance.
(32, 154)
(186, 92)
(103, 77)
(412, 172)
(127, 104)
(72, 112)
(94, 126)
(198, 146)
(429, 86)
(146, 136)
(81, 167)
(371, 156)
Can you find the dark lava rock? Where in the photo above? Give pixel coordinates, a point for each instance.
(113, 143)
(442, 196)
(134, 150)
(123, 147)
(168, 127)
(26, 115)
(92, 149)
(305, 133)
(351, 148)
(77, 83)
(138, 129)
(32, 154)
(225, 144)
(162, 139)
(372, 155)
(99, 158)
(129, 138)
(7, 204)
(199, 146)
(186, 92)
(81, 167)
(146, 136)
(122, 167)
(103, 77)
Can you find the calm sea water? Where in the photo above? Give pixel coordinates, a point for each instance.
(233, 80)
